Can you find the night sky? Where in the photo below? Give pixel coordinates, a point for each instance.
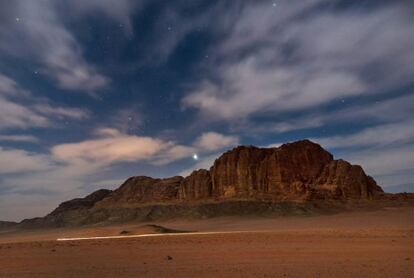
(95, 91)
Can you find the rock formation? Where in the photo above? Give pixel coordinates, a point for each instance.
(246, 179)
(300, 170)
(7, 224)
(82, 203)
(140, 190)
(197, 186)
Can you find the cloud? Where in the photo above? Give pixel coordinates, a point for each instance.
(9, 87)
(15, 115)
(381, 135)
(203, 163)
(73, 169)
(118, 10)
(173, 153)
(112, 146)
(34, 31)
(209, 143)
(19, 138)
(61, 112)
(293, 58)
(127, 119)
(20, 109)
(212, 141)
(391, 110)
(16, 160)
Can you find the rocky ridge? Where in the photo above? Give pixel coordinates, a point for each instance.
(301, 170)
(245, 179)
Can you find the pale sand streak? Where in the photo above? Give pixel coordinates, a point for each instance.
(154, 235)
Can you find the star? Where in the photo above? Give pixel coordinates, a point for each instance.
(17, 19)
(195, 156)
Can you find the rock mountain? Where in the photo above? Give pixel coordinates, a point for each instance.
(246, 179)
(299, 170)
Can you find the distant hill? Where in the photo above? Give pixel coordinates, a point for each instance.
(7, 224)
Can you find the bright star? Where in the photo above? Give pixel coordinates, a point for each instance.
(195, 156)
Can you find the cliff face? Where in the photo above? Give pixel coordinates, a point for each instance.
(247, 171)
(340, 179)
(299, 171)
(197, 186)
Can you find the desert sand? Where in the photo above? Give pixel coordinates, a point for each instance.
(376, 243)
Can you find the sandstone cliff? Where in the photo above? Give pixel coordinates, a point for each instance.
(299, 170)
(245, 180)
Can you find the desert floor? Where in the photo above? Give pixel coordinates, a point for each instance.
(353, 244)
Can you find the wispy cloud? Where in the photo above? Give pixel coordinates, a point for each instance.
(118, 10)
(213, 141)
(34, 31)
(19, 138)
(111, 146)
(16, 160)
(293, 57)
(19, 109)
(381, 135)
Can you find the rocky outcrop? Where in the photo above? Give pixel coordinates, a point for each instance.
(340, 179)
(196, 186)
(274, 172)
(82, 203)
(141, 190)
(299, 170)
(7, 225)
(241, 180)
